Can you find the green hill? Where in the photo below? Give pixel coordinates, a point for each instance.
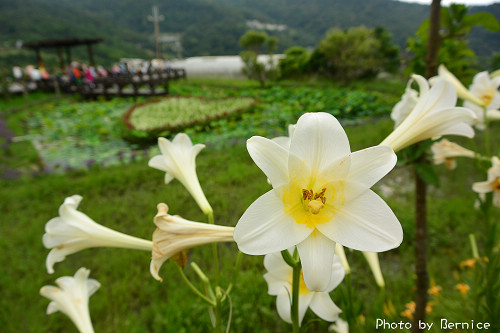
(207, 27)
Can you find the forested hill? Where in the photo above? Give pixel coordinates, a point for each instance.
(208, 27)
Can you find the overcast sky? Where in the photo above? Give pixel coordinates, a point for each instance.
(467, 2)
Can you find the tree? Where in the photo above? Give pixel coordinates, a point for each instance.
(351, 54)
(388, 51)
(294, 64)
(454, 52)
(254, 43)
(495, 61)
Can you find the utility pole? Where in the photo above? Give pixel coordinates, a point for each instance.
(156, 18)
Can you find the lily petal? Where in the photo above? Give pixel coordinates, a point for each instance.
(283, 305)
(74, 231)
(71, 297)
(158, 162)
(320, 140)
(461, 90)
(178, 160)
(369, 165)
(265, 228)
(365, 224)
(322, 305)
(483, 187)
(434, 115)
(441, 96)
(271, 158)
(316, 253)
(338, 271)
(372, 259)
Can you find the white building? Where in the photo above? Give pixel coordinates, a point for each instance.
(218, 66)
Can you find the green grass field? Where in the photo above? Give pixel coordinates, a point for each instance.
(124, 197)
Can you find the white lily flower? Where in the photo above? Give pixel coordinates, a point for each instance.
(73, 231)
(403, 108)
(279, 279)
(321, 195)
(485, 89)
(493, 182)
(72, 298)
(462, 92)
(340, 326)
(446, 152)
(178, 160)
(371, 257)
(434, 115)
(175, 234)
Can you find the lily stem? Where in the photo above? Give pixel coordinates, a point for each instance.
(486, 132)
(294, 262)
(218, 320)
(214, 251)
(295, 297)
(194, 289)
(233, 276)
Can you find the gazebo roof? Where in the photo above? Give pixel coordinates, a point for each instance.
(68, 42)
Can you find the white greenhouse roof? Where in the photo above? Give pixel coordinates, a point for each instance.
(217, 66)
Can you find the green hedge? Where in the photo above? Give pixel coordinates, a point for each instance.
(173, 114)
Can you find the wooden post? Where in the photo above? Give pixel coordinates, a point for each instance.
(91, 55)
(38, 56)
(422, 283)
(61, 59)
(68, 54)
(431, 60)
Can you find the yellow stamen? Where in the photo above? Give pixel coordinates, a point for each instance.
(496, 184)
(486, 99)
(312, 205)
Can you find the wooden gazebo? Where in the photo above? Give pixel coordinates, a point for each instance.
(65, 44)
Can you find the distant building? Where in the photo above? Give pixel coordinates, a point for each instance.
(257, 25)
(218, 66)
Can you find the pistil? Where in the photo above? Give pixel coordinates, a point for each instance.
(315, 206)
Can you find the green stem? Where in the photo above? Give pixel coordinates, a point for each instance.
(294, 262)
(193, 288)
(214, 251)
(218, 320)
(486, 132)
(295, 297)
(475, 252)
(233, 276)
(289, 259)
(349, 308)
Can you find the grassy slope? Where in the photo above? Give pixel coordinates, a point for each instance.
(125, 198)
